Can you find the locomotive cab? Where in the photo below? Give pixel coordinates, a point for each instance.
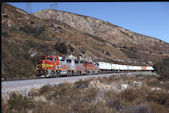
(47, 63)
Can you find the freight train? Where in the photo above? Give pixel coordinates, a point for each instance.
(52, 66)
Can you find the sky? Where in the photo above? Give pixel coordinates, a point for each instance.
(147, 18)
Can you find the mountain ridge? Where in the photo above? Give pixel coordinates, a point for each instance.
(118, 36)
(26, 37)
(96, 19)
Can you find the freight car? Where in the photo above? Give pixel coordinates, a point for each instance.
(51, 66)
(105, 67)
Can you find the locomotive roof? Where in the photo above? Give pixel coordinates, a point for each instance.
(50, 56)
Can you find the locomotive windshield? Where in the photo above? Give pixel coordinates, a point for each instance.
(68, 60)
(76, 61)
(49, 58)
(42, 58)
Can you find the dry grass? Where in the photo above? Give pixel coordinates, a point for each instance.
(78, 97)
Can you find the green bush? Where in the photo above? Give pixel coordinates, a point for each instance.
(5, 34)
(61, 47)
(35, 31)
(162, 68)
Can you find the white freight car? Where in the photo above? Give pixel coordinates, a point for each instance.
(104, 65)
(115, 67)
(149, 68)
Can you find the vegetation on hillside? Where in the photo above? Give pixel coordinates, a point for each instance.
(162, 68)
(134, 45)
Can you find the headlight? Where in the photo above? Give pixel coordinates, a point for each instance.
(43, 65)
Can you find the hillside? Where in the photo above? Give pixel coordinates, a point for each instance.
(26, 37)
(134, 45)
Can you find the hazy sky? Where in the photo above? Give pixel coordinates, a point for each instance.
(148, 18)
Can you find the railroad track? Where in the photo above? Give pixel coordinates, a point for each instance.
(24, 86)
(23, 79)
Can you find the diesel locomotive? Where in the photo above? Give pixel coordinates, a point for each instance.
(51, 66)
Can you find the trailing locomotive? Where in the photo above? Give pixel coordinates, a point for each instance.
(51, 66)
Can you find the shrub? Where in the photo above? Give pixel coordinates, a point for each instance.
(157, 108)
(4, 34)
(71, 48)
(90, 95)
(107, 80)
(14, 50)
(159, 97)
(45, 89)
(61, 47)
(5, 16)
(114, 103)
(162, 68)
(32, 44)
(87, 107)
(153, 83)
(19, 103)
(63, 89)
(141, 108)
(4, 53)
(81, 84)
(35, 31)
(132, 95)
(82, 50)
(35, 59)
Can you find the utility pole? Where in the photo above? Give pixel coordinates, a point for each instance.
(29, 7)
(53, 7)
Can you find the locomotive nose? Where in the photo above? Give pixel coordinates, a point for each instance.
(41, 62)
(40, 65)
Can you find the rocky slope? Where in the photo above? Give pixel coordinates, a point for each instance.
(134, 45)
(26, 37)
